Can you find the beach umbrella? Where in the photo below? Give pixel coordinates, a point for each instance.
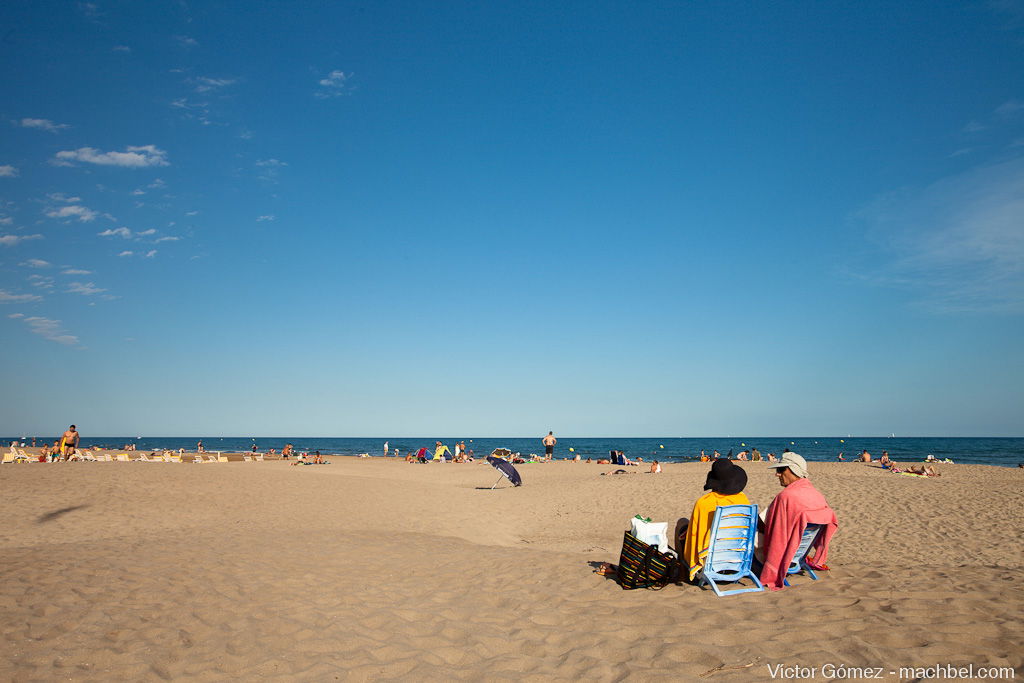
(506, 469)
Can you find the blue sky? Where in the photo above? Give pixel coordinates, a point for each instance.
(402, 218)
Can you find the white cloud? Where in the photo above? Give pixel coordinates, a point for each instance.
(167, 239)
(268, 217)
(204, 84)
(126, 253)
(156, 184)
(11, 240)
(116, 232)
(271, 162)
(6, 220)
(333, 85)
(44, 124)
(146, 233)
(76, 271)
(41, 281)
(141, 156)
(50, 329)
(185, 41)
(959, 243)
(36, 263)
(138, 193)
(8, 172)
(151, 253)
(61, 197)
(16, 315)
(85, 288)
(74, 211)
(1009, 109)
(121, 48)
(8, 298)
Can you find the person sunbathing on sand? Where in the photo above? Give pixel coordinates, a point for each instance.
(655, 468)
(923, 470)
(617, 472)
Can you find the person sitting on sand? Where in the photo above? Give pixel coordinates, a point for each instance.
(742, 455)
(724, 485)
(865, 456)
(796, 506)
(755, 455)
(439, 450)
(884, 461)
(655, 468)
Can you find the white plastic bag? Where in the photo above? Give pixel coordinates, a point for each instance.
(651, 533)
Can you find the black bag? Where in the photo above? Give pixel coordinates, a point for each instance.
(643, 566)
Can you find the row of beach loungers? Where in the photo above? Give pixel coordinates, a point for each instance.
(19, 455)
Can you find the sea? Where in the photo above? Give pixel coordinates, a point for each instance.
(998, 451)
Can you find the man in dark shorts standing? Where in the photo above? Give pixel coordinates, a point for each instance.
(549, 442)
(69, 442)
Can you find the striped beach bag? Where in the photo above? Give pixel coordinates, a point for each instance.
(643, 566)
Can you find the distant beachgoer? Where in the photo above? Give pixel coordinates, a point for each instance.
(385, 449)
(865, 456)
(616, 472)
(254, 448)
(771, 457)
(742, 455)
(439, 450)
(549, 442)
(655, 468)
(199, 447)
(69, 442)
(755, 455)
(577, 458)
(884, 461)
(716, 455)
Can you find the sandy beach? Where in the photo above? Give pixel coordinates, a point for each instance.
(374, 569)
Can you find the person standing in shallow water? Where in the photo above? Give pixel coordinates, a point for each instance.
(549, 442)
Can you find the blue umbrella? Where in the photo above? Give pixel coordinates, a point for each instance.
(506, 470)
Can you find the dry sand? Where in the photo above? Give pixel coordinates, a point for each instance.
(370, 569)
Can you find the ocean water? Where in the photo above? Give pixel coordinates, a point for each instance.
(1003, 452)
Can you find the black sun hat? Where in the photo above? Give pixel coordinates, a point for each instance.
(726, 478)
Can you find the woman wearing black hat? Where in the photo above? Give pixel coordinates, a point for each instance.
(724, 486)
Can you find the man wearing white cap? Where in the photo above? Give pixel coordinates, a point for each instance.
(796, 506)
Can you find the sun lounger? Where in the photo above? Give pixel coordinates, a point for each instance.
(9, 457)
(731, 549)
(122, 457)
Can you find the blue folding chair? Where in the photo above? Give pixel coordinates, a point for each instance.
(799, 562)
(731, 549)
